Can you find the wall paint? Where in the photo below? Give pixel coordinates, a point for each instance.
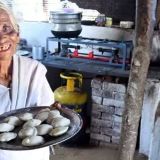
(36, 33)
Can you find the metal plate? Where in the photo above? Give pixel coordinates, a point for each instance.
(75, 126)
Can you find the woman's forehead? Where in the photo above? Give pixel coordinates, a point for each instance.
(4, 16)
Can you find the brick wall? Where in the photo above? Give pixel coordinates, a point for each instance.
(117, 9)
(107, 109)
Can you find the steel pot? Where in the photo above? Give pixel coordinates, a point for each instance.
(66, 25)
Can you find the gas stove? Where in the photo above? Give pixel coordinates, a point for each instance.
(107, 52)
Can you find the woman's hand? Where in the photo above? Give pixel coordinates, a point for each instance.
(55, 105)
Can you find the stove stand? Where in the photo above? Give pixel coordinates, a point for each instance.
(104, 56)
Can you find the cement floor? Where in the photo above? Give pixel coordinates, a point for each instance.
(88, 153)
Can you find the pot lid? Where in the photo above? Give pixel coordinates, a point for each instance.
(66, 11)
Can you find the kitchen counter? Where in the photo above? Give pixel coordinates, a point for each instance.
(111, 33)
(94, 68)
(85, 66)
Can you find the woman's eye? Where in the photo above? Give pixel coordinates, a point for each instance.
(6, 29)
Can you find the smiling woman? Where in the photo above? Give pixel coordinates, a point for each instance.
(22, 82)
(9, 37)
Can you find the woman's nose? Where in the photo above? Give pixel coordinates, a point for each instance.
(2, 38)
(1, 34)
(1, 31)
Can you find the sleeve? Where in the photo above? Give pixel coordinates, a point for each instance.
(45, 94)
(30, 87)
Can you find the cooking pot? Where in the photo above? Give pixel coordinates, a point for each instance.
(66, 25)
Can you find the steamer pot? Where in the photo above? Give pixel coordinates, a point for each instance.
(66, 25)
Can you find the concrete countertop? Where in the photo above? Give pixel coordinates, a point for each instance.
(111, 33)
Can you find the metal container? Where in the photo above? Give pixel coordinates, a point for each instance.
(38, 52)
(66, 25)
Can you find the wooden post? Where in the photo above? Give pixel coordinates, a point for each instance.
(138, 74)
(158, 12)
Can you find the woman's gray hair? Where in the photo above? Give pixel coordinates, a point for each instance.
(11, 16)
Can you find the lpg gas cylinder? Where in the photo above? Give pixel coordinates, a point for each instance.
(72, 97)
(71, 94)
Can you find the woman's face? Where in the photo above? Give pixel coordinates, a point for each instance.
(8, 37)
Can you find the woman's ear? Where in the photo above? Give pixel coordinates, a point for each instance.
(18, 38)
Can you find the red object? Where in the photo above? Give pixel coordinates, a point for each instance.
(103, 59)
(75, 53)
(90, 55)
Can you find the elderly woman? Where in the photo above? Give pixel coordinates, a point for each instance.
(22, 82)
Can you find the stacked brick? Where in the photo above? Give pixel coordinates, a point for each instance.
(107, 109)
